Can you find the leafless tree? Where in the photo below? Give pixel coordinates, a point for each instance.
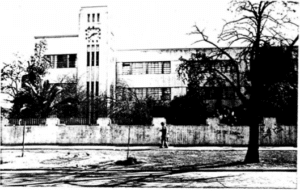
(256, 24)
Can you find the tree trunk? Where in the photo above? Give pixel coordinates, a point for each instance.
(252, 155)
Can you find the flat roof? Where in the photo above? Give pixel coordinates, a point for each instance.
(56, 36)
(94, 6)
(192, 48)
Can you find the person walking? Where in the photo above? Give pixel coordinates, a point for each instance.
(164, 137)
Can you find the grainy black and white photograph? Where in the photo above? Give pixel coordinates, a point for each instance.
(149, 94)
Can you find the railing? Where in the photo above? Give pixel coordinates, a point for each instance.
(28, 121)
(77, 121)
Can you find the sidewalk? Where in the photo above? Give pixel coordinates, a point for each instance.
(137, 148)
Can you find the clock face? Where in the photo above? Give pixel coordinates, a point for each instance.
(92, 33)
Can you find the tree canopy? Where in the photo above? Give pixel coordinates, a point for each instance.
(266, 33)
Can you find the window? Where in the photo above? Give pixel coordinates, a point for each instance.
(97, 55)
(166, 94)
(92, 89)
(62, 60)
(72, 60)
(88, 18)
(126, 68)
(93, 58)
(88, 59)
(154, 93)
(154, 68)
(93, 18)
(166, 67)
(87, 89)
(139, 68)
(140, 93)
(98, 17)
(97, 88)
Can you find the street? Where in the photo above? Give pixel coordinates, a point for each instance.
(183, 167)
(162, 179)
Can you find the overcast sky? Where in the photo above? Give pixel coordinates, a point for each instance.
(136, 23)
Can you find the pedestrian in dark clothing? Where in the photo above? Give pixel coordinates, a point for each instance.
(164, 137)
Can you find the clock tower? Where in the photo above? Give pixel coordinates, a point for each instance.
(96, 62)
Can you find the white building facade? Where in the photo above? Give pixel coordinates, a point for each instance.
(90, 57)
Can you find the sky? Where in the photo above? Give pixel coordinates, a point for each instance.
(135, 23)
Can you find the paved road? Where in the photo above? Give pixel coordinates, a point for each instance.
(158, 179)
(87, 147)
(96, 176)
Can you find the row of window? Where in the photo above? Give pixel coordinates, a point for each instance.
(62, 60)
(93, 55)
(218, 93)
(92, 88)
(93, 17)
(142, 93)
(221, 65)
(138, 68)
(208, 93)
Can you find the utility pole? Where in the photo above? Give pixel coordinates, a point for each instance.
(23, 142)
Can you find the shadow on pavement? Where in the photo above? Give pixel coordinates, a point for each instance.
(106, 174)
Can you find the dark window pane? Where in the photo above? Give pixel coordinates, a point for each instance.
(88, 59)
(97, 58)
(166, 94)
(98, 17)
(154, 93)
(87, 89)
(62, 61)
(97, 88)
(93, 58)
(92, 89)
(72, 60)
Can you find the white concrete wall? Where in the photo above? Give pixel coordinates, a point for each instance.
(56, 74)
(67, 44)
(207, 135)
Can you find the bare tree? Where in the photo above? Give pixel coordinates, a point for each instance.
(256, 25)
